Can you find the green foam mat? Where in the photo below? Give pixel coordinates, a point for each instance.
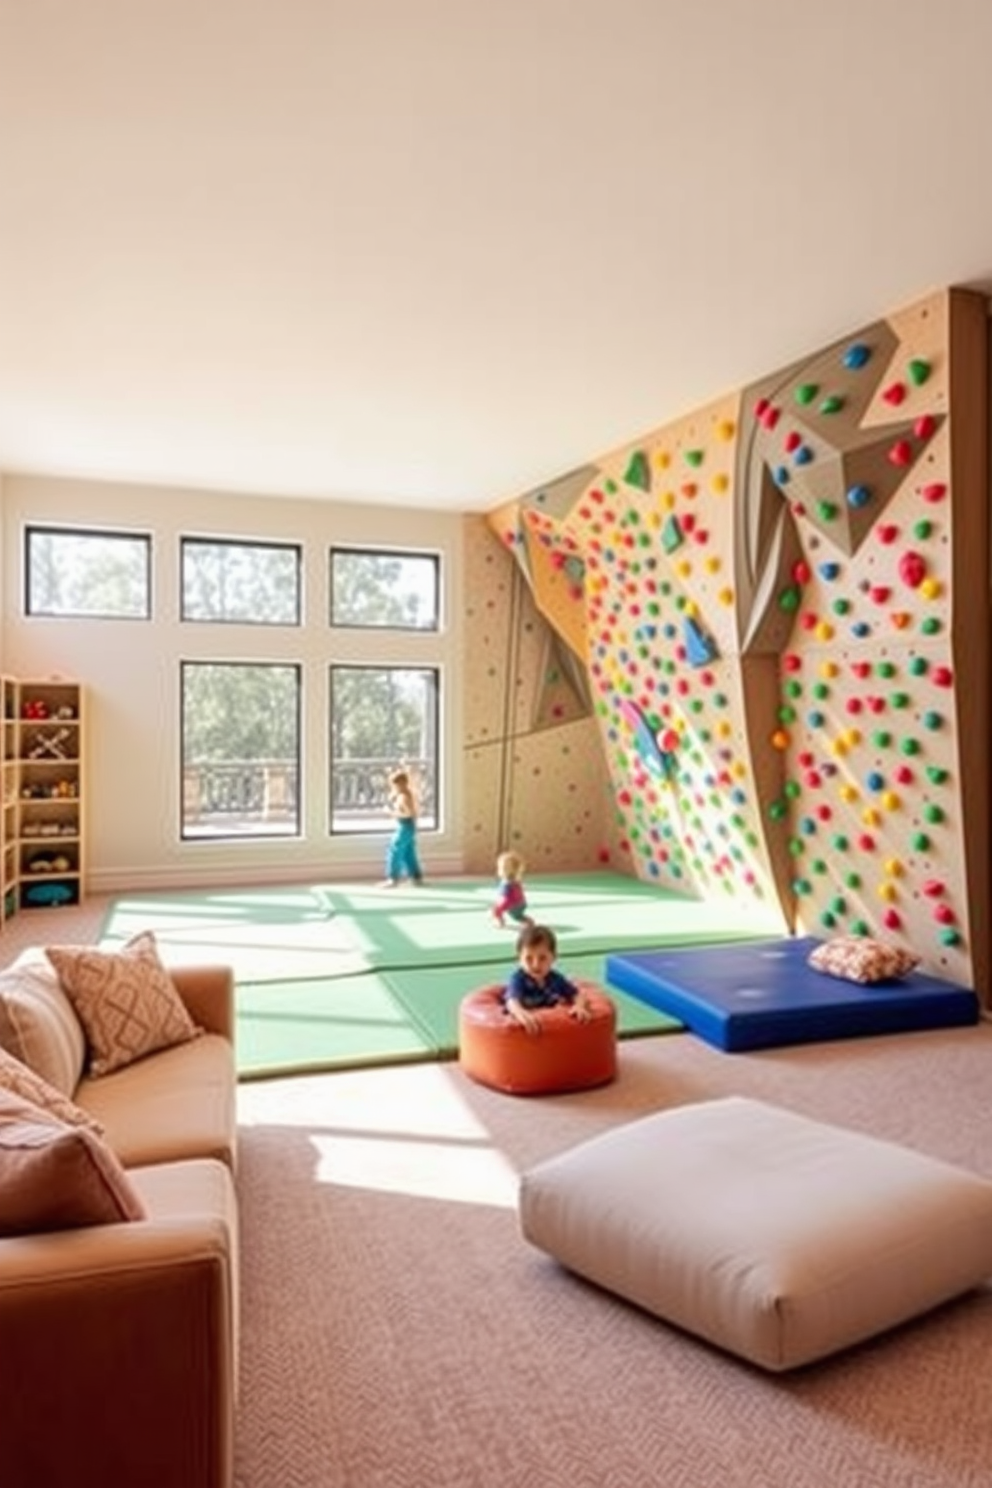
(324, 1023)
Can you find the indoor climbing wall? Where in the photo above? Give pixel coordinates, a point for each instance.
(535, 776)
(781, 606)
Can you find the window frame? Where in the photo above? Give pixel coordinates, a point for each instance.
(142, 538)
(383, 822)
(187, 540)
(297, 833)
(366, 550)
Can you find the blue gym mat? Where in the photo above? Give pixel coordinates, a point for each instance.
(763, 993)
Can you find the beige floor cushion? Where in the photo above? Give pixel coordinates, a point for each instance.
(776, 1237)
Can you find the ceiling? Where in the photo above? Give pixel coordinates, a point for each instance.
(439, 252)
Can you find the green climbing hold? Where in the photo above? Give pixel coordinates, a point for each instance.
(638, 472)
(826, 510)
(671, 535)
(930, 626)
(922, 529)
(933, 813)
(789, 599)
(806, 392)
(918, 371)
(918, 666)
(832, 404)
(886, 669)
(920, 841)
(949, 937)
(936, 774)
(910, 746)
(881, 739)
(694, 457)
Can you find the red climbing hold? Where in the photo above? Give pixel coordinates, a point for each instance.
(912, 569)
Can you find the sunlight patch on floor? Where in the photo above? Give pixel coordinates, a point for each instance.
(405, 1130)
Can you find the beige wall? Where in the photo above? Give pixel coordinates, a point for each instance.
(130, 670)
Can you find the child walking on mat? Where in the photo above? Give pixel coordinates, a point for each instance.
(511, 901)
(537, 984)
(401, 858)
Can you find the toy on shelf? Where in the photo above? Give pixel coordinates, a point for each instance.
(48, 894)
(49, 745)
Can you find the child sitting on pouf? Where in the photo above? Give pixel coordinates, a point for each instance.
(536, 984)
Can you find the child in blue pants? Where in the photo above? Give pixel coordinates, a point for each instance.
(401, 857)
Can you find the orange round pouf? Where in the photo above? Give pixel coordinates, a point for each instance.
(566, 1055)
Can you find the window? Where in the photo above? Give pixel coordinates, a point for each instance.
(378, 589)
(245, 582)
(70, 571)
(381, 717)
(240, 750)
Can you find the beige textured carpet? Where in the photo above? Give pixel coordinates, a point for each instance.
(397, 1331)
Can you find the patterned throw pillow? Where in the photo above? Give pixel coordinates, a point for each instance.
(16, 1079)
(57, 1177)
(858, 958)
(126, 1001)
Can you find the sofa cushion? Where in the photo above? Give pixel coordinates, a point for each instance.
(57, 1177)
(777, 1237)
(126, 1001)
(18, 1079)
(38, 1023)
(180, 1104)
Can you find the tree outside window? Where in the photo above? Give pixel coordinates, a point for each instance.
(241, 582)
(72, 572)
(240, 750)
(382, 718)
(384, 590)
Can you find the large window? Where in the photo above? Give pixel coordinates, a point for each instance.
(382, 718)
(379, 589)
(71, 571)
(240, 750)
(244, 582)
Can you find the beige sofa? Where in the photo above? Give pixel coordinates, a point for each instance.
(118, 1342)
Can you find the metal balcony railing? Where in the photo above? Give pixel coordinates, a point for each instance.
(262, 796)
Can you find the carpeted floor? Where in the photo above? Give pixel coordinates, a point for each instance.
(396, 1329)
(342, 975)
